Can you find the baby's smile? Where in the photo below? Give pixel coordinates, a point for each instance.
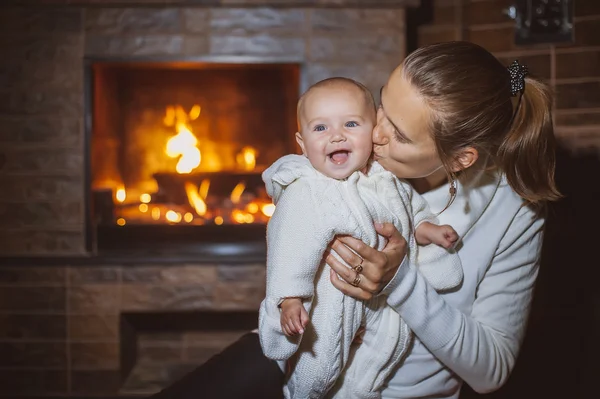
(339, 157)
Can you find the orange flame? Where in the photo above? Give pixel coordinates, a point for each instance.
(195, 199)
(246, 159)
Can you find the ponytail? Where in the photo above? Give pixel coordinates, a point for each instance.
(527, 153)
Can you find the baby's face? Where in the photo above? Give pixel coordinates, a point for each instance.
(336, 127)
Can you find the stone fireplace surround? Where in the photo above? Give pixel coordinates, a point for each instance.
(65, 311)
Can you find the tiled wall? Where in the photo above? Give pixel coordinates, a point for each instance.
(41, 86)
(59, 326)
(572, 69)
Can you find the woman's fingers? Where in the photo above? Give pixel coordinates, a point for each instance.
(349, 276)
(347, 289)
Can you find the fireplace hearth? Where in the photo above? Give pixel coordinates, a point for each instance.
(177, 150)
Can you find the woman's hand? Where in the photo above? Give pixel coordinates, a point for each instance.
(378, 267)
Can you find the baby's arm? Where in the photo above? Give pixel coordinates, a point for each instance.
(428, 233)
(296, 242)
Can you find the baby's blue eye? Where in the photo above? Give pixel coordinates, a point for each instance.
(351, 124)
(319, 128)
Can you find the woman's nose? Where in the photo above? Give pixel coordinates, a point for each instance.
(379, 138)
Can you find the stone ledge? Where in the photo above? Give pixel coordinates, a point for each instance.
(218, 3)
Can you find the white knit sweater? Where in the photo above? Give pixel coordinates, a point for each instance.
(311, 210)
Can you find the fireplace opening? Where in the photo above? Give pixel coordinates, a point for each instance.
(177, 150)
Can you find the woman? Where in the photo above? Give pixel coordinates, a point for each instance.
(478, 142)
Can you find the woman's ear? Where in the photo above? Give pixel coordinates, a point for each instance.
(465, 158)
(300, 142)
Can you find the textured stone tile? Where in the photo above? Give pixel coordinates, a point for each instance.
(95, 382)
(238, 296)
(146, 379)
(211, 338)
(372, 75)
(97, 45)
(42, 214)
(357, 21)
(42, 161)
(31, 101)
(264, 45)
(244, 21)
(196, 20)
(196, 45)
(41, 129)
(94, 326)
(33, 326)
(33, 299)
(428, 36)
(130, 20)
(33, 382)
(243, 273)
(578, 119)
(200, 354)
(42, 52)
(160, 352)
(35, 242)
(578, 95)
(16, 188)
(33, 354)
(489, 12)
(26, 75)
(94, 298)
(578, 65)
(94, 274)
(166, 297)
(371, 48)
(187, 274)
(95, 355)
(46, 275)
(42, 20)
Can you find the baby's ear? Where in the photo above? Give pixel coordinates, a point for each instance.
(300, 142)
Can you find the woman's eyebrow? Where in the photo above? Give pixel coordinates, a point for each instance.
(398, 131)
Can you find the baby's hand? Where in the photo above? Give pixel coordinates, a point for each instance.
(428, 233)
(444, 236)
(293, 316)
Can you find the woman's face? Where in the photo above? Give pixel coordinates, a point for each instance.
(402, 140)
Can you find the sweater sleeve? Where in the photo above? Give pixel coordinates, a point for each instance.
(420, 208)
(295, 248)
(480, 347)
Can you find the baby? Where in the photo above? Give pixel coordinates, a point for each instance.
(335, 189)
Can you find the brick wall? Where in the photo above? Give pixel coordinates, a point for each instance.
(573, 70)
(59, 325)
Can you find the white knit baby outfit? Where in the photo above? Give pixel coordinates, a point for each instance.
(311, 209)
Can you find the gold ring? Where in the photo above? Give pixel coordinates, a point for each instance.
(357, 279)
(358, 269)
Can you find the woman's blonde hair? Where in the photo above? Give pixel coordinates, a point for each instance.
(469, 94)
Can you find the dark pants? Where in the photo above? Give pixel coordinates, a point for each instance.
(240, 371)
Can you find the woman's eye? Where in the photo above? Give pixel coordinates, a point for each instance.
(399, 138)
(319, 128)
(351, 124)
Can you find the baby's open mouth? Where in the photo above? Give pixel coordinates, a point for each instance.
(339, 157)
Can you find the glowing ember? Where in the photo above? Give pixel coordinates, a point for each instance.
(237, 191)
(121, 194)
(145, 198)
(173, 217)
(246, 159)
(268, 210)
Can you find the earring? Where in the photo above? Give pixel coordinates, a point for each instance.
(452, 190)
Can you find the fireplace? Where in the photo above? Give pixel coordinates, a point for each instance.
(177, 149)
